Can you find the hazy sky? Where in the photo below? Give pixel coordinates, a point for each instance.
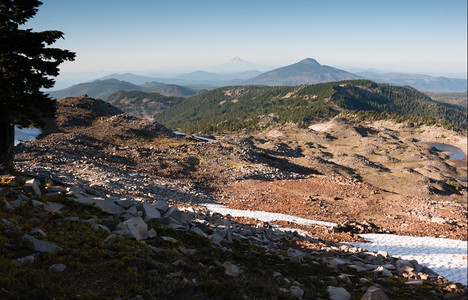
(144, 36)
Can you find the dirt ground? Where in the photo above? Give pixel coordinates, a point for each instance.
(339, 201)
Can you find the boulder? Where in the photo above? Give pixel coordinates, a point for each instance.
(338, 293)
(338, 264)
(124, 202)
(53, 206)
(230, 269)
(25, 261)
(137, 228)
(152, 233)
(106, 205)
(57, 268)
(374, 293)
(149, 212)
(36, 203)
(17, 203)
(32, 186)
(42, 246)
(296, 291)
(39, 231)
(161, 206)
(174, 213)
(7, 206)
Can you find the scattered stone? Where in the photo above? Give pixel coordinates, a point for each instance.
(59, 268)
(152, 233)
(414, 282)
(187, 251)
(338, 264)
(97, 227)
(7, 206)
(169, 239)
(137, 228)
(344, 278)
(25, 261)
(149, 212)
(384, 271)
(17, 203)
(36, 203)
(42, 246)
(179, 263)
(296, 291)
(161, 206)
(71, 219)
(174, 213)
(53, 206)
(374, 293)
(277, 274)
(338, 293)
(32, 186)
(215, 238)
(108, 206)
(38, 231)
(230, 269)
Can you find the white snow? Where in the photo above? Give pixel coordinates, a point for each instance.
(263, 216)
(446, 257)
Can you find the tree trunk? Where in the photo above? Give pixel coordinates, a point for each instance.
(7, 142)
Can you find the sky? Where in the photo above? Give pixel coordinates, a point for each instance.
(147, 36)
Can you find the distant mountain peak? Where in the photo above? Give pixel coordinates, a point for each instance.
(307, 71)
(236, 60)
(309, 61)
(235, 65)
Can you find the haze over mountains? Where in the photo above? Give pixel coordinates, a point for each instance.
(307, 71)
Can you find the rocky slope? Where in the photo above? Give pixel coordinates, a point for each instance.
(147, 185)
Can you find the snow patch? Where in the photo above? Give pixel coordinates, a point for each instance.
(446, 257)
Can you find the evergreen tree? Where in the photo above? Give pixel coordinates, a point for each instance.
(27, 64)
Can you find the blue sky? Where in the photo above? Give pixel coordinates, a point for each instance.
(144, 36)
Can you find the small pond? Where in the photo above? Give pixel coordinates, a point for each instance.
(457, 153)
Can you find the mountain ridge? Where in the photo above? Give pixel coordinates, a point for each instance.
(234, 108)
(421, 82)
(306, 71)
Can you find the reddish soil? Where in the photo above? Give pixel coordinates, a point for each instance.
(334, 200)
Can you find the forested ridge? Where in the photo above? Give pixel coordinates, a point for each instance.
(142, 104)
(235, 108)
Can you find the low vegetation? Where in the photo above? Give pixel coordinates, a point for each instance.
(173, 265)
(141, 104)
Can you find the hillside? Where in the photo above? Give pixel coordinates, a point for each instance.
(121, 207)
(100, 89)
(143, 105)
(168, 89)
(420, 82)
(453, 98)
(307, 71)
(253, 107)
